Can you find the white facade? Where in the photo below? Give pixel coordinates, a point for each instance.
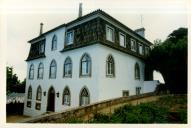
(99, 86)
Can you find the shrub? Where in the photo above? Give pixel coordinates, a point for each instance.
(100, 118)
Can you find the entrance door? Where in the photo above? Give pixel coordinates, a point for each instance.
(51, 99)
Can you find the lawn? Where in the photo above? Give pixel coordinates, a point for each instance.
(168, 109)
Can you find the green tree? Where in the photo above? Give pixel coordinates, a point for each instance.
(13, 83)
(170, 59)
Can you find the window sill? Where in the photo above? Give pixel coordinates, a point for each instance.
(133, 50)
(110, 40)
(84, 76)
(52, 77)
(110, 76)
(69, 76)
(66, 104)
(69, 44)
(53, 49)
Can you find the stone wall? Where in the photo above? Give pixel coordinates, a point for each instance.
(86, 112)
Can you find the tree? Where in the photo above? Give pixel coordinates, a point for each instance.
(170, 59)
(13, 83)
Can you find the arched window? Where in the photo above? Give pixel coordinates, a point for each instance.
(84, 97)
(66, 96)
(31, 72)
(40, 71)
(68, 67)
(110, 66)
(53, 68)
(29, 93)
(54, 43)
(29, 96)
(85, 66)
(39, 93)
(137, 71)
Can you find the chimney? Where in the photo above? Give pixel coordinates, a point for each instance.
(80, 10)
(41, 28)
(140, 31)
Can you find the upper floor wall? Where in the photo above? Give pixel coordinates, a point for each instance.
(96, 27)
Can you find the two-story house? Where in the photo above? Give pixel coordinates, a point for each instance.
(92, 58)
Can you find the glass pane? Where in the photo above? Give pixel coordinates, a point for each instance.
(84, 68)
(122, 40)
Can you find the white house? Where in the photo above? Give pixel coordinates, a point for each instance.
(90, 59)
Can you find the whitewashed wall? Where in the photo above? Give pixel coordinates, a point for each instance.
(124, 74)
(99, 86)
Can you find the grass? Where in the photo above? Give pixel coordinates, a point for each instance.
(168, 109)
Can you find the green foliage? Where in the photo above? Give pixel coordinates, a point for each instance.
(143, 113)
(161, 89)
(13, 83)
(168, 109)
(183, 115)
(170, 59)
(100, 118)
(171, 100)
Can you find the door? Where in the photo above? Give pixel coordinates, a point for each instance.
(51, 100)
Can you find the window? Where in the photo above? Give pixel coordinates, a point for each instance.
(137, 71)
(125, 93)
(84, 97)
(29, 96)
(29, 93)
(141, 49)
(110, 66)
(68, 67)
(85, 65)
(39, 93)
(52, 73)
(54, 43)
(146, 50)
(31, 72)
(38, 98)
(109, 33)
(40, 71)
(138, 90)
(38, 106)
(66, 96)
(133, 45)
(69, 38)
(122, 40)
(41, 48)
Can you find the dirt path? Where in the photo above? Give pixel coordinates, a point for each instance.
(15, 118)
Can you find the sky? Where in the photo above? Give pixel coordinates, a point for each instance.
(22, 20)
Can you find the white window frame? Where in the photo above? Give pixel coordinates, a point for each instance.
(72, 39)
(54, 42)
(140, 51)
(146, 50)
(138, 90)
(68, 67)
(41, 48)
(107, 36)
(133, 45)
(124, 43)
(110, 67)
